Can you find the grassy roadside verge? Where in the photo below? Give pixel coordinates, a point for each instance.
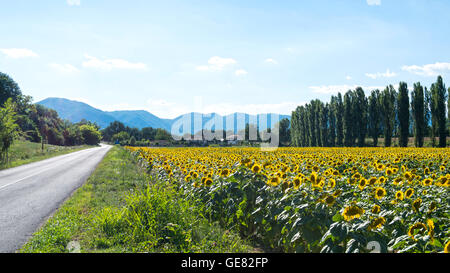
(120, 209)
(25, 152)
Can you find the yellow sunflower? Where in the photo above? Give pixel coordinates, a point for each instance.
(274, 181)
(409, 192)
(376, 209)
(256, 168)
(377, 223)
(352, 212)
(389, 172)
(225, 173)
(188, 178)
(362, 183)
(432, 207)
(416, 204)
(373, 180)
(330, 200)
(208, 182)
(409, 176)
(380, 192)
(416, 228)
(297, 182)
(332, 183)
(427, 182)
(430, 225)
(382, 179)
(399, 195)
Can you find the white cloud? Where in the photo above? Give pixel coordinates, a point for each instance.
(65, 68)
(348, 78)
(166, 109)
(109, 64)
(373, 2)
(428, 70)
(334, 89)
(240, 72)
(18, 53)
(271, 61)
(74, 2)
(290, 50)
(216, 63)
(387, 74)
(202, 68)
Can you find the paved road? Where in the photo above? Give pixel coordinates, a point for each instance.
(31, 193)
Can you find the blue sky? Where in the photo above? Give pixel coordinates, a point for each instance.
(172, 57)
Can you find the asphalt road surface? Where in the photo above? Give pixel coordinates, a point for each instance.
(29, 194)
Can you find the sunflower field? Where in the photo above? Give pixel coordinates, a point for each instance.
(317, 199)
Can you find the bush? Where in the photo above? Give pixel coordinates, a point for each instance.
(91, 136)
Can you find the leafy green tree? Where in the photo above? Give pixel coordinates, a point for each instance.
(339, 113)
(121, 137)
(91, 136)
(448, 109)
(299, 127)
(72, 135)
(403, 114)
(439, 96)
(418, 111)
(317, 117)
(360, 115)
(113, 128)
(295, 130)
(348, 119)
(311, 124)
(162, 134)
(8, 89)
(387, 107)
(148, 133)
(8, 128)
(374, 116)
(132, 141)
(324, 119)
(134, 132)
(429, 116)
(55, 137)
(332, 122)
(284, 130)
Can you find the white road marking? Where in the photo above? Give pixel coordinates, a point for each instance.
(12, 183)
(52, 167)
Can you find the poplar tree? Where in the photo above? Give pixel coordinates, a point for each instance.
(324, 119)
(387, 107)
(332, 122)
(339, 120)
(348, 119)
(374, 116)
(360, 116)
(418, 111)
(439, 96)
(403, 114)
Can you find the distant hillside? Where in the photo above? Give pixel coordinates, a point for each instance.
(75, 111)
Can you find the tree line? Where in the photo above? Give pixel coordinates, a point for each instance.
(347, 120)
(118, 133)
(20, 118)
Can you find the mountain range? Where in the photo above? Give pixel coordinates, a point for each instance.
(75, 111)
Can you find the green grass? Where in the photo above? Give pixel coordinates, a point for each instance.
(24, 152)
(121, 209)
